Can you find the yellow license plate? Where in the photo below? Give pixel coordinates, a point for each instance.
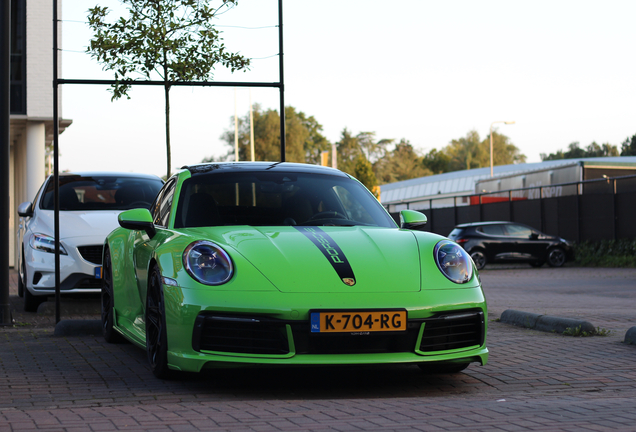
(358, 321)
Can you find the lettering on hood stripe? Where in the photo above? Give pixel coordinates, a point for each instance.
(331, 251)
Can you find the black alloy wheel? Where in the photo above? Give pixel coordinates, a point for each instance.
(479, 258)
(156, 339)
(108, 303)
(556, 257)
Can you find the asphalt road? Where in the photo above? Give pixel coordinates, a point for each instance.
(535, 381)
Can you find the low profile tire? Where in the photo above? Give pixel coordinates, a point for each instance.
(156, 339)
(479, 258)
(21, 277)
(537, 264)
(31, 302)
(442, 368)
(556, 257)
(108, 303)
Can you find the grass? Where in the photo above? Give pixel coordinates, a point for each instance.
(606, 253)
(577, 332)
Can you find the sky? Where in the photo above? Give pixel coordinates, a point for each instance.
(426, 71)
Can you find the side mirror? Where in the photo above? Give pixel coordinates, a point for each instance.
(411, 219)
(138, 220)
(25, 209)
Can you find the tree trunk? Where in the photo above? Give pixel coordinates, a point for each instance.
(167, 94)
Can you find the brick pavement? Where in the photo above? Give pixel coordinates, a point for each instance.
(534, 382)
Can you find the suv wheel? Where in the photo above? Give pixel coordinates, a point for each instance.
(479, 258)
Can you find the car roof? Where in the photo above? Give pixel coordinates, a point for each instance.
(262, 166)
(109, 173)
(474, 224)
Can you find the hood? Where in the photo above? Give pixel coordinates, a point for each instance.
(93, 224)
(331, 259)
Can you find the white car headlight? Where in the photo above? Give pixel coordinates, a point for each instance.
(45, 243)
(207, 263)
(453, 261)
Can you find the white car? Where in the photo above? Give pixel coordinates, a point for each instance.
(89, 206)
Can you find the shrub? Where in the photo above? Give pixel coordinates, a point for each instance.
(606, 253)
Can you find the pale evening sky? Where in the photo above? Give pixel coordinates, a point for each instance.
(427, 71)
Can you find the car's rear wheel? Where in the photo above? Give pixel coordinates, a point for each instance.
(479, 258)
(156, 339)
(556, 257)
(21, 276)
(442, 368)
(108, 303)
(32, 302)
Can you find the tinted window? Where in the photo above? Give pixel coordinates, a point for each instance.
(518, 231)
(493, 230)
(271, 199)
(106, 192)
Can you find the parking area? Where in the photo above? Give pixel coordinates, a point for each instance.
(534, 380)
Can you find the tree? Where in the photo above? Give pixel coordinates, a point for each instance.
(303, 138)
(628, 147)
(172, 39)
(436, 161)
(401, 163)
(576, 152)
(364, 173)
(466, 153)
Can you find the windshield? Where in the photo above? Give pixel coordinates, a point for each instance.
(272, 199)
(86, 193)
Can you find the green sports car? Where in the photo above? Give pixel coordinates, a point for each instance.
(261, 263)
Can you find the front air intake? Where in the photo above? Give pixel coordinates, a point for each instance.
(453, 331)
(244, 335)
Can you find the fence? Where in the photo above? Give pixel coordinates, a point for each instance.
(597, 209)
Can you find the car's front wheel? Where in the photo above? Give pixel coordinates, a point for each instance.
(21, 277)
(556, 257)
(479, 258)
(156, 339)
(32, 302)
(108, 302)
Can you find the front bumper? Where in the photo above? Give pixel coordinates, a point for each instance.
(271, 329)
(77, 275)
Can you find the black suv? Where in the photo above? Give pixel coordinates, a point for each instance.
(499, 242)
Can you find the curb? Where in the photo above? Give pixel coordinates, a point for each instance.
(630, 336)
(78, 328)
(546, 323)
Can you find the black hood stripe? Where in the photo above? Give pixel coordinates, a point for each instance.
(331, 251)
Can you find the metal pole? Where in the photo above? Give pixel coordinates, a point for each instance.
(56, 167)
(5, 149)
(282, 82)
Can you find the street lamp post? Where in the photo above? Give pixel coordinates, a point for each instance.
(491, 124)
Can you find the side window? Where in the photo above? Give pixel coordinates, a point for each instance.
(162, 206)
(493, 230)
(518, 231)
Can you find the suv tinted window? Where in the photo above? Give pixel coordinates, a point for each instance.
(493, 230)
(518, 231)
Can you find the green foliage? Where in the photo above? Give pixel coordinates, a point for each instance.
(172, 39)
(364, 173)
(577, 332)
(628, 147)
(471, 152)
(575, 152)
(436, 161)
(401, 163)
(606, 253)
(303, 139)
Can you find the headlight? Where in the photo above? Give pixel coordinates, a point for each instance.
(453, 261)
(207, 263)
(45, 243)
